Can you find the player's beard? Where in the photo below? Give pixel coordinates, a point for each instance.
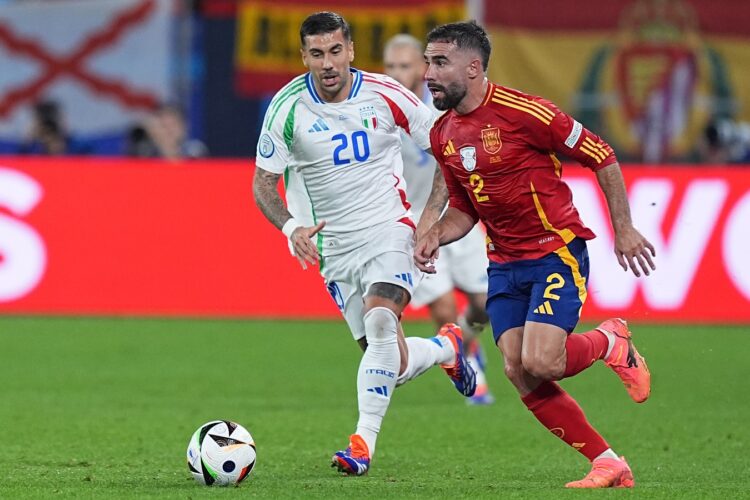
(453, 94)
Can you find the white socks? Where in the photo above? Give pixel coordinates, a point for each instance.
(424, 354)
(377, 373)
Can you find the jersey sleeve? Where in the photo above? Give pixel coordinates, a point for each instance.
(408, 111)
(275, 141)
(561, 133)
(457, 196)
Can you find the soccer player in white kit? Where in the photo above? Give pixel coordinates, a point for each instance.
(462, 264)
(334, 135)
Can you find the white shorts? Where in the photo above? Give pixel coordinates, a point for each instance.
(386, 256)
(461, 264)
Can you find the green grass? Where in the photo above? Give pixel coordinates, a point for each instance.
(105, 408)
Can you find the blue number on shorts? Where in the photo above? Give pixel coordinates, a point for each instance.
(360, 147)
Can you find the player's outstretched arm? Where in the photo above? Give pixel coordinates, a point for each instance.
(268, 199)
(453, 225)
(630, 245)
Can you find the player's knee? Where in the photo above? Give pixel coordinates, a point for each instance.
(381, 325)
(543, 368)
(514, 372)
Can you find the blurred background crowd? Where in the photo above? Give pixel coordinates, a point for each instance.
(664, 81)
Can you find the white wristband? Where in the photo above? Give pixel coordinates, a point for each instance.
(289, 227)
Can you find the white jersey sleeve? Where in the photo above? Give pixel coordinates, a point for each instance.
(274, 144)
(274, 152)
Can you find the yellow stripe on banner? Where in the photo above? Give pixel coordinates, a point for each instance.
(590, 153)
(566, 234)
(527, 110)
(572, 263)
(522, 100)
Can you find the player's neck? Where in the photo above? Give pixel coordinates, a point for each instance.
(473, 98)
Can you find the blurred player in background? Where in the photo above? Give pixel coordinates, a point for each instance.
(496, 147)
(462, 264)
(334, 133)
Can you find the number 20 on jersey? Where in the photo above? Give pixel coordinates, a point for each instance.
(356, 146)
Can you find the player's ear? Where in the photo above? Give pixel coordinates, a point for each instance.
(474, 69)
(304, 59)
(351, 51)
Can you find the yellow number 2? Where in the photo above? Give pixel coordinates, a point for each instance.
(477, 183)
(555, 281)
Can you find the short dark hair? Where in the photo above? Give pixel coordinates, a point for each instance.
(324, 22)
(466, 35)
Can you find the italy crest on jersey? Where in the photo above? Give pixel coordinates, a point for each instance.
(468, 157)
(369, 118)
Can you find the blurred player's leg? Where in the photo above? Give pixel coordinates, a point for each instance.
(472, 322)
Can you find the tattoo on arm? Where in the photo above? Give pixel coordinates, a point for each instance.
(267, 197)
(437, 200)
(613, 186)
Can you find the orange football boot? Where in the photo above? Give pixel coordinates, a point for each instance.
(625, 360)
(606, 473)
(355, 460)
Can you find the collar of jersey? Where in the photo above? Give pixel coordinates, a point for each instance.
(356, 84)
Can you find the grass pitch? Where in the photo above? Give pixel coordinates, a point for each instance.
(105, 408)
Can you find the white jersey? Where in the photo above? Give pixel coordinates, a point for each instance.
(419, 167)
(342, 161)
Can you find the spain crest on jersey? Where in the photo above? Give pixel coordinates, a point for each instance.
(491, 140)
(468, 157)
(369, 118)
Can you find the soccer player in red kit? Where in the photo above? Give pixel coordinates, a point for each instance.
(497, 150)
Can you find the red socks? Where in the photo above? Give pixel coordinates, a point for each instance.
(560, 413)
(583, 349)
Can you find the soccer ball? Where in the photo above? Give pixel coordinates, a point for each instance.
(221, 453)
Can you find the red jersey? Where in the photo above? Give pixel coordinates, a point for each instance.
(500, 166)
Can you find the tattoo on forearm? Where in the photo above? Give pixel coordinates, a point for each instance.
(438, 196)
(267, 197)
(439, 191)
(612, 184)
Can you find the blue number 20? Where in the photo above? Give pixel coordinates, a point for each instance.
(360, 147)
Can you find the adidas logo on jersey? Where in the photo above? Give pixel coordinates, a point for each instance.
(318, 126)
(545, 308)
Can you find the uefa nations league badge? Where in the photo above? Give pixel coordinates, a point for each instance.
(266, 146)
(468, 157)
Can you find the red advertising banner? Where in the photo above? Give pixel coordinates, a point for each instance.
(100, 236)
